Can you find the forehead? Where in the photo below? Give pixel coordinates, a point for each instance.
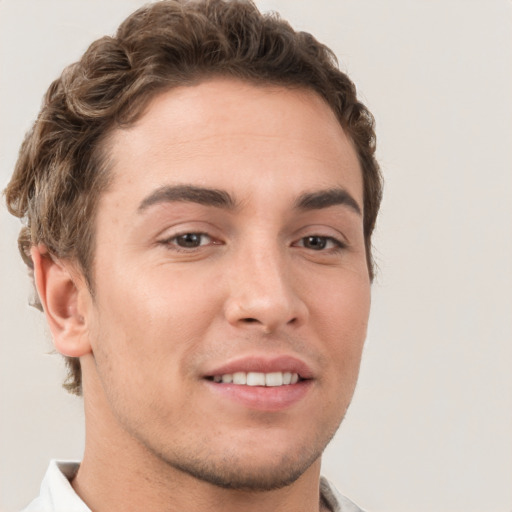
(230, 134)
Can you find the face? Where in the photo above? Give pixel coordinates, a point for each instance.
(231, 287)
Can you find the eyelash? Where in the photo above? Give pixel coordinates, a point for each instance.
(337, 245)
(172, 241)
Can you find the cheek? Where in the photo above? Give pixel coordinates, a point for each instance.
(142, 319)
(343, 319)
(344, 305)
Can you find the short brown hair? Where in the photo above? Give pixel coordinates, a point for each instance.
(61, 171)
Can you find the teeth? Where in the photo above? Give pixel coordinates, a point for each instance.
(255, 379)
(272, 379)
(239, 378)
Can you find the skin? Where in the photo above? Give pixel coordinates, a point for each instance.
(266, 279)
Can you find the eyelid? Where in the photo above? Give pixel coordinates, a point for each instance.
(171, 240)
(338, 244)
(324, 230)
(184, 226)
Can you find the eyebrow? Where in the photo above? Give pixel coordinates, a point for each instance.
(189, 193)
(326, 198)
(222, 199)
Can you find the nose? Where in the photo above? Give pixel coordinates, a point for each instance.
(262, 293)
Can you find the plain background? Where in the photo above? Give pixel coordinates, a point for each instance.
(430, 428)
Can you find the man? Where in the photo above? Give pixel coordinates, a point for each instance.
(200, 192)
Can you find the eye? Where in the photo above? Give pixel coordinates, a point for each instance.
(189, 240)
(320, 243)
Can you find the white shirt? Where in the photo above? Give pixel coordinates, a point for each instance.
(57, 495)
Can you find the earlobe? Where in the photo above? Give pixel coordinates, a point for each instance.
(60, 291)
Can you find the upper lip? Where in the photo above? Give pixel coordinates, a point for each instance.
(263, 364)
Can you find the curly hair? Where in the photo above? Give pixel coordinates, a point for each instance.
(61, 170)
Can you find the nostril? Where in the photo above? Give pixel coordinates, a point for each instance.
(250, 320)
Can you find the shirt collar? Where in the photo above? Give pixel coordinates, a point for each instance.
(56, 489)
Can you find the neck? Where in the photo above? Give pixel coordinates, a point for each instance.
(118, 473)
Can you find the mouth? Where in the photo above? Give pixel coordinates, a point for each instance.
(264, 384)
(271, 379)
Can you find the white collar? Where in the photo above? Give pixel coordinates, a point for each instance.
(56, 493)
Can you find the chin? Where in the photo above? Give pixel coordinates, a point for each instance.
(255, 465)
(244, 475)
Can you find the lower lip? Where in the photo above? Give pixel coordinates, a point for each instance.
(263, 398)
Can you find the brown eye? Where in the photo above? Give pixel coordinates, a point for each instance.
(317, 243)
(190, 240)
(320, 243)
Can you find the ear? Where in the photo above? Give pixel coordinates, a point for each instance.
(62, 292)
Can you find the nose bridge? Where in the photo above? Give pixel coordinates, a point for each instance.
(261, 288)
(267, 271)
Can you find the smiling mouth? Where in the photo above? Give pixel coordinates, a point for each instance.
(271, 379)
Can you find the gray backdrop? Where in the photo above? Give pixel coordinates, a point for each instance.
(430, 427)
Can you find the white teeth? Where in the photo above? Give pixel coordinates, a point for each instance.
(239, 378)
(255, 379)
(272, 379)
